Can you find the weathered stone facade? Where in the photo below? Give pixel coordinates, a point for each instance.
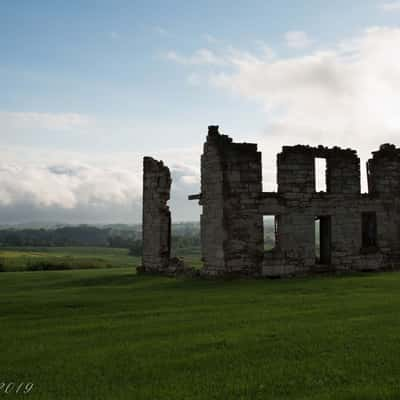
(231, 225)
(357, 231)
(156, 216)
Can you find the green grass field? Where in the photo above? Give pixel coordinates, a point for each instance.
(109, 334)
(23, 258)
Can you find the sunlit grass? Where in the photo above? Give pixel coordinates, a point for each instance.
(109, 334)
(25, 258)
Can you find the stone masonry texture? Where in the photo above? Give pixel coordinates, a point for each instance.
(357, 232)
(156, 216)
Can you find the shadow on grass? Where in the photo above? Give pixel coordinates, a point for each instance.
(294, 286)
(102, 280)
(108, 278)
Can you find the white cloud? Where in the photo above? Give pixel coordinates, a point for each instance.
(266, 51)
(211, 39)
(48, 121)
(297, 39)
(199, 57)
(78, 188)
(347, 95)
(161, 31)
(66, 184)
(194, 79)
(185, 175)
(390, 6)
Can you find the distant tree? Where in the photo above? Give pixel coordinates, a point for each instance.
(119, 242)
(136, 247)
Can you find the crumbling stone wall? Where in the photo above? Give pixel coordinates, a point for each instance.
(232, 229)
(384, 183)
(297, 205)
(156, 216)
(358, 231)
(303, 205)
(296, 170)
(212, 198)
(384, 172)
(343, 170)
(342, 204)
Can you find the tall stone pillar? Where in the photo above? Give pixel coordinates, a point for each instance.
(384, 172)
(231, 225)
(156, 216)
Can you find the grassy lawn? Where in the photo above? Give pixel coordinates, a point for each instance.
(23, 258)
(191, 256)
(109, 334)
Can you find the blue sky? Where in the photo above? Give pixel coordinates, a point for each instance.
(89, 87)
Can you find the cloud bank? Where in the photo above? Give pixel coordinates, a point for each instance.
(298, 39)
(347, 95)
(391, 6)
(76, 188)
(47, 121)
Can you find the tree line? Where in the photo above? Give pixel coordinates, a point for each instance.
(185, 238)
(67, 236)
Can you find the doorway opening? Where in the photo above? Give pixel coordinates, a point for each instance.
(323, 237)
(270, 223)
(369, 230)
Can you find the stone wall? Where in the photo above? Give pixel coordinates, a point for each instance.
(212, 219)
(232, 230)
(297, 206)
(341, 204)
(156, 216)
(296, 170)
(343, 171)
(384, 183)
(358, 231)
(384, 171)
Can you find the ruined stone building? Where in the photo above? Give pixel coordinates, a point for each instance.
(357, 231)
